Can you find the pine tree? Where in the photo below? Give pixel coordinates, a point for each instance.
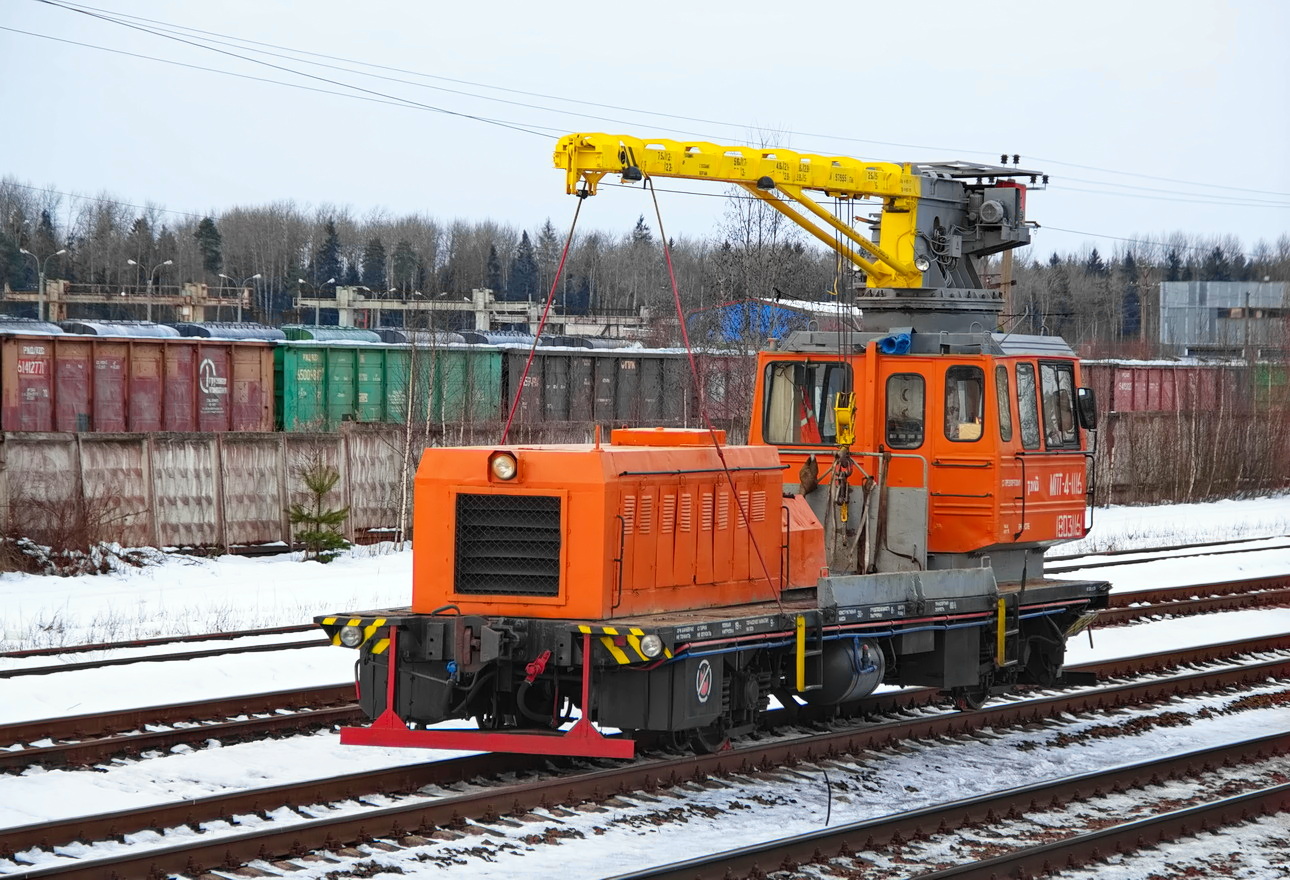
(12, 269)
(1131, 306)
(1173, 266)
(351, 277)
(524, 272)
(493, 280)
(1216, 267)
(167, 244)
(641, 233)
(320, 523)
(374, 266)
(1095, 266)
(327, 261)
(405, 268)
(140, 246)
(548, 256)
(211, 245)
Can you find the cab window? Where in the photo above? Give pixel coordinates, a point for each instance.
(1004, 401)
(799, 401)
(964, 403)
(1057, 382)
(1027, 411)
(905, 404)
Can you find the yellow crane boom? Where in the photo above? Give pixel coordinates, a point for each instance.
(765, 173)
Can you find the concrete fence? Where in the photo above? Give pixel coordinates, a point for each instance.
(207, 489)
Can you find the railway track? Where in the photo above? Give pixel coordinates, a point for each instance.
(1080, 561)
(86, 739)
(844, 843)
(1203, 598)
(1259, 592)
(413, 821)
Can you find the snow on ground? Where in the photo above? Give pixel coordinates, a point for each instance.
(1125, 528)
(189, 594)
(186, 595)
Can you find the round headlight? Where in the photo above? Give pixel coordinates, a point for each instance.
(504, 466)
(651, 645)
(922, 264)
(351, 636)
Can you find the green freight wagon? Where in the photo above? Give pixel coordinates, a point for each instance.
(319, 385)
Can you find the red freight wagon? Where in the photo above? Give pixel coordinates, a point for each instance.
(1147, 387)
(80, 383)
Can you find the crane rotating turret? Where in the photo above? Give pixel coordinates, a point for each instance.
(936, 221)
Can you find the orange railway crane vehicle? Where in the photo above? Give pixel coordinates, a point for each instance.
(885, 524)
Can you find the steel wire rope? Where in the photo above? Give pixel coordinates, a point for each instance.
(546, 310)
(703, 403)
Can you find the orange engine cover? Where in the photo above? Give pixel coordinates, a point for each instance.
(646, 524)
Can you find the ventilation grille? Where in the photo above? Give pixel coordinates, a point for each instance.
(508, 545)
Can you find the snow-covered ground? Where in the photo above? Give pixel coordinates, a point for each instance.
(197, 595)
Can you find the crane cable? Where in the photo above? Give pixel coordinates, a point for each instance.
(703, 404)
(546, 310)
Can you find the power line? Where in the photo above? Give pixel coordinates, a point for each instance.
(1194, 201)
(114, 17)
(1162, 244)
(1239, 201)
(262, 79)
(333, 82)
(58, 192)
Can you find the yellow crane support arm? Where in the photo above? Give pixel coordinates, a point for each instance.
(586, 158)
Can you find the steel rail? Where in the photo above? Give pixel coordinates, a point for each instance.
(790, 853)
(104, 725)
(1121, 614)
(1163, 548)
(19, 671)
(1126, 837)
(398, 821)
(1161, 556)
(159, 640)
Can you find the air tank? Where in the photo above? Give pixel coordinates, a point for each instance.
(853, 668)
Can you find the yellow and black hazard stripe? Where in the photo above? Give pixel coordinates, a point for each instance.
(333, 625)
(630, 652)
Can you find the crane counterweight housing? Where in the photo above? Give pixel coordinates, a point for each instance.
(885, 523)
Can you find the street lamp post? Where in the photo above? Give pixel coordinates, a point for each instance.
(317, 320)
(241, 287)
(42, 267)
(153, 271)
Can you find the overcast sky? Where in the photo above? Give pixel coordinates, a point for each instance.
(1151, 117)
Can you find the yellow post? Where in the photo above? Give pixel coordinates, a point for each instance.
(801, 653)
(1001, 634)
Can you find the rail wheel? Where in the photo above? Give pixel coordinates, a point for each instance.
(972, 697)
(711, 739)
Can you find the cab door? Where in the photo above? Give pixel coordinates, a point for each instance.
(1044, 479)
(963, 466)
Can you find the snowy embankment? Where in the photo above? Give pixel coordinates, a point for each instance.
(197, 595)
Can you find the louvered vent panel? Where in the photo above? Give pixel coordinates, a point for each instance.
(508, 545)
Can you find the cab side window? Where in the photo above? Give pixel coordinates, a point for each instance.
(1004, 401)
(1027, 411)
(964, 403)
(1057, 381)
(905, 404)
(799, 401)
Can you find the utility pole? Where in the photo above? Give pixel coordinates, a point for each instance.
(150, 274)
(1005, 285)
(43, 267)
